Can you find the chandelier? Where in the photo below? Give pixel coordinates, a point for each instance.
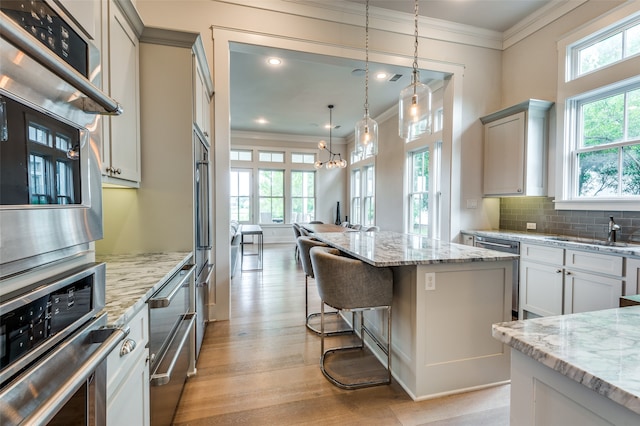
(414, 108)
(367, 129)
(335, 159)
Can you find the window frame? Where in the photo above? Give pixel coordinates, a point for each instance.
(251, 203)
(303, 198)
(609, 78)
(271, 197)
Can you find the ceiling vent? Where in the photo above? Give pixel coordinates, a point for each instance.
(395, 77)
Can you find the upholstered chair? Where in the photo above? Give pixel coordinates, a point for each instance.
(305, 244)
(348, 284)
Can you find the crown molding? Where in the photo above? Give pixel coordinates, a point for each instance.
(537, 20)
(284, 137)
(350, 13)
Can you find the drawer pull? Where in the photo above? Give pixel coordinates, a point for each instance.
(127, 347)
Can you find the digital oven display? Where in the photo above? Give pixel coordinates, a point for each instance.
(43, 23)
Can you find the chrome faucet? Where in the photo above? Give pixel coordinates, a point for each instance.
(613, 229)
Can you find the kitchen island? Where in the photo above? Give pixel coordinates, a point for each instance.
(446, 296)
(575, 369)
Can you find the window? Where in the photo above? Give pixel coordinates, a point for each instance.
(369, 191)
(599, 127)
(356, 187)
(271, 196)
(241, 155)
(300, 158)
(419, 192)
(241, 195)
(271, 157)
(602, 50)
(303, 196)
(606, 152)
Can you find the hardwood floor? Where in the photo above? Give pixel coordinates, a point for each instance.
(262, 367)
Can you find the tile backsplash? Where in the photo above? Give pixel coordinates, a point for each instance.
(516, 212)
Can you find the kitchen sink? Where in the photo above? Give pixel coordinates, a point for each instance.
(587, 241)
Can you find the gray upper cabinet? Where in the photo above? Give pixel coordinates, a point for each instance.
(515, 150)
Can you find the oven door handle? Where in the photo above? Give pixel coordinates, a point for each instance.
(32, 47)
(180, 338)
(165, 295)
(48, 409)
(503, 246)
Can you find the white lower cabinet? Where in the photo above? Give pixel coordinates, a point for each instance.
(555, 281)
(128, 376)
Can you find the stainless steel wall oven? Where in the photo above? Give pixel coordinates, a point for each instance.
(53, 351)
(50, 136)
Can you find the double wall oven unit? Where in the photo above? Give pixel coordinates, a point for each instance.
(53, 335)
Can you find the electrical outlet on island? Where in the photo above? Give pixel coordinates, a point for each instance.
(531, 226)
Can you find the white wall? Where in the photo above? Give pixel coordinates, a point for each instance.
(488, 83)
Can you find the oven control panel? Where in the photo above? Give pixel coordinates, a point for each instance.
(44, 24)
(26, 327)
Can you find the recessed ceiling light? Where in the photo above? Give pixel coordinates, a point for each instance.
(274, 61)
(381, 75)
(262, 121)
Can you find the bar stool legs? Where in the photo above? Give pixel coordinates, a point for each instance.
(356, 351)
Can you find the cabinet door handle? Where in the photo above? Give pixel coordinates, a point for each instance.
(568, 273)
(118, 171)
(519, 189)
(558, 271)
(127, 347)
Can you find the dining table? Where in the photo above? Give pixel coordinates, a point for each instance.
(325, 227)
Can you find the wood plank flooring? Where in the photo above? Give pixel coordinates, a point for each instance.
(262, 367)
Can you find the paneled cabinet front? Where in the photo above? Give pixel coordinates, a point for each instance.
(121, 145)
(555, 281)
(128, 376)
(515, 148)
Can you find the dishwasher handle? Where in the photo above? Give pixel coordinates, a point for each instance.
(163, 297)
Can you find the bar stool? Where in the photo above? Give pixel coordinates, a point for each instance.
(296, 233)
(348, 284)
(304, 246)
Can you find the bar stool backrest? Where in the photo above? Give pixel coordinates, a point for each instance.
(304, 246)
(346, 283)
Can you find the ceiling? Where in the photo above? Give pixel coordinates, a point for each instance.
(292, 98)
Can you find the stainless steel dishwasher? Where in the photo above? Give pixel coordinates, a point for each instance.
(507, 246)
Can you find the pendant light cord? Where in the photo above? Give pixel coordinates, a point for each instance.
(366, 67)
(415, 47)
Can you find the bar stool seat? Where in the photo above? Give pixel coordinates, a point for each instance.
(348, 284)
(339, 326)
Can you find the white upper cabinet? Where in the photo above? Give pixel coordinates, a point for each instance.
(515, 150)
(121, 145)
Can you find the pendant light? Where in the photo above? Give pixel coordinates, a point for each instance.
(335, 158)
(367, 128)
(414, 108)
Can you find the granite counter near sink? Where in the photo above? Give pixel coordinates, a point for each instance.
(598, 352)
(632, 250)
(133, 278)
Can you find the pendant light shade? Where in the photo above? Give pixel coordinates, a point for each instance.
(414, 110)
(367, 135)
(367, 129)
(414, 107)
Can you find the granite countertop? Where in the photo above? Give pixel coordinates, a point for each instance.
(599, 349)
(386, 248)
(133, 278)
(629, 249)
